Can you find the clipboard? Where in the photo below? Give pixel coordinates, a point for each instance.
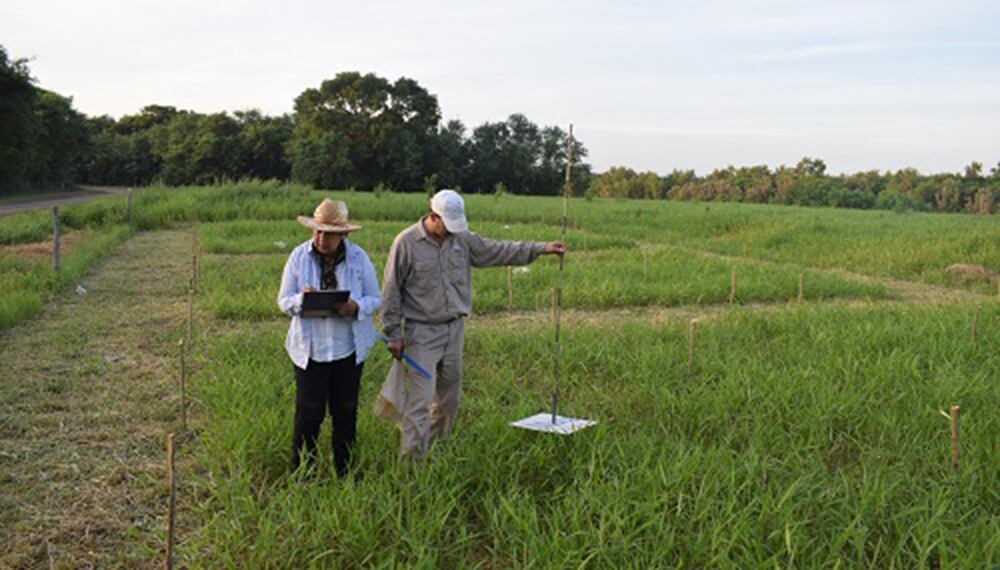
(321, 304)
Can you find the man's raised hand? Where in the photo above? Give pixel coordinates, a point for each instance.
(555, 247)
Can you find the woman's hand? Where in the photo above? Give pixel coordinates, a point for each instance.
(347, 309)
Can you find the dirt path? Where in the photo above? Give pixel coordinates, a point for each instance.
(87, 394)
(85, 194)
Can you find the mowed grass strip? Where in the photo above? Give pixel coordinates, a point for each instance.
(87, 395)
(809, 437)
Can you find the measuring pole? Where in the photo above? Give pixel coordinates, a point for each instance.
(557, 292)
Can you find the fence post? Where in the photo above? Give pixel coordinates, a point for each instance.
(55, 238)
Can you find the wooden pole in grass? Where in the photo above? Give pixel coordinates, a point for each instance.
(128, 209)
(975, 319)
(954, 437)
(194, 272)
(732, 286)
(183, 383)
(645, 266)
(55, 238)
(190, 317)
(172, 485)
(557, 291)
(693, 335)
(510, 289)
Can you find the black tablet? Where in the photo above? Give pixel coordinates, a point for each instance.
(321, 303)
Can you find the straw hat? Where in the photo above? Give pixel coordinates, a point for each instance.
(330, 216)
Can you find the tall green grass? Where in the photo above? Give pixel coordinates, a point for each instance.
(906, 246)
(805, 438)
(245, 286)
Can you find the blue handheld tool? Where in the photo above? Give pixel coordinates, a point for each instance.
(409, 361)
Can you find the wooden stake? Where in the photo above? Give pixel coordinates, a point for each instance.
(645, 266)
(194, 273)
(190, 319)
(556, 291)
(55, 238)
(557, 354)
(172, 484)
(801, 289)
(128, 209)
(975, 319)
(183, 382)
(510, 289)
(694, 334)
(954, 437)
(732, 286)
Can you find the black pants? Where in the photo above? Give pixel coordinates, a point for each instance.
(320, 386)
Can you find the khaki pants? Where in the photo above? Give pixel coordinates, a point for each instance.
(430, 406)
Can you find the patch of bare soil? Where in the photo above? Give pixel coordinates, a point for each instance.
(42, 251)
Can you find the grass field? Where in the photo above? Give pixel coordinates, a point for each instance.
(803, 438)
(807, 435)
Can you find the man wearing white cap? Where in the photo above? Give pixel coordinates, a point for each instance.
(426, 293)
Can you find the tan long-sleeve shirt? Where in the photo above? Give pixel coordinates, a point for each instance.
(431, 283)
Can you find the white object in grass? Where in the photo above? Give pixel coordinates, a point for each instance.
(562, 425)
(280, 244)
(80, 290)
(521, 270)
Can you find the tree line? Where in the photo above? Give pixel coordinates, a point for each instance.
(41, 135)
(363, 131)
(353, 131)
(808, 184)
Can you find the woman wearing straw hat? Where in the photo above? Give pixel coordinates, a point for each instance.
(328, 353)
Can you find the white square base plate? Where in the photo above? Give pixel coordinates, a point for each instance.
(562, 425)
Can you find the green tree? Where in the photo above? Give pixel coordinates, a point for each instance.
(385, 129)
(60, 137)
(262, 142)
(17, 100)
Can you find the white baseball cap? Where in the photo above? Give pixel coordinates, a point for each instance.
(449, 205)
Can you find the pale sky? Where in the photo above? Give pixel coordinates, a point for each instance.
(862, 84)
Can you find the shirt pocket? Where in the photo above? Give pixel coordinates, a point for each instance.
(458, 266)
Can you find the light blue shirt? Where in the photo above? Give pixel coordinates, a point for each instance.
(302, 270)
(332, 338)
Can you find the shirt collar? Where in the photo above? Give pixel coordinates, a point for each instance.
(312, 247)
(422, 234)
(421, 230)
